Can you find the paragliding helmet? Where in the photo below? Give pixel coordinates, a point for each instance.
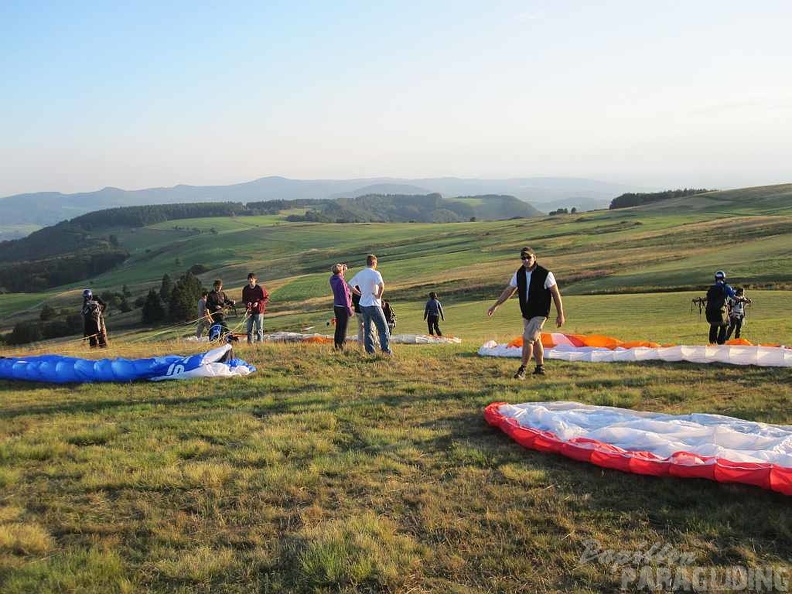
(87, 294)
(720, 275)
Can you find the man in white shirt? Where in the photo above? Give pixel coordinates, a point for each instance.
(370, 286)
(535, 287)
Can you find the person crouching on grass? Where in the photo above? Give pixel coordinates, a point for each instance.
(535, 286)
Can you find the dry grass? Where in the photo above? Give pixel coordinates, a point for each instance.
(328, 472)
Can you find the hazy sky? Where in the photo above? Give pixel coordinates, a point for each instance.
(661, 93)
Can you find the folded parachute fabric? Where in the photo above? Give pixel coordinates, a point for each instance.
(604, 349)
(423, 339)
(326, 339)
(219, 362)
(708, 446)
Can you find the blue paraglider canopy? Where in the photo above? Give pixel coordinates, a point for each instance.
(219, 362)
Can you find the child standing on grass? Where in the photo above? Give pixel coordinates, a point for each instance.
(736, 312)
(433, 313)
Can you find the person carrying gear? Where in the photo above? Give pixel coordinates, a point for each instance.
(717, 310)
(216, 302)
(93, 319)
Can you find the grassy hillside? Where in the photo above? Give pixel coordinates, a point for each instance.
(745, 201)
(636, 250)
(328, 472)
(335, 472)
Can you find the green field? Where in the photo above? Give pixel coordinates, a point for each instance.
(662, 247)
(337, 472)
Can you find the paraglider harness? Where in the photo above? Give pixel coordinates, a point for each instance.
(219, 332)
(92, 309)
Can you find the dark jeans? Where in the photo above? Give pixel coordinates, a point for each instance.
(735, 325)
(342, 319)
(717, 334)
(432, 322)
(372, 315)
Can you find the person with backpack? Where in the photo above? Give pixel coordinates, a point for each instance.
(93, 320)
(717, 310)
(433, 313)
(737, 312)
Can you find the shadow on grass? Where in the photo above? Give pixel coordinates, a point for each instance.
(670, 505)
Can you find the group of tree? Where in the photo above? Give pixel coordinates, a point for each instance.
(427, 208)
(633, 199)
(39, 275)
(173, 302)
(559, 211)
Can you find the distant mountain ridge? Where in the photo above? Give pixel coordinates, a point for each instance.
(48, 208)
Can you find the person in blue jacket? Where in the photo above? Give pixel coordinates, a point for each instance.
(433, 313)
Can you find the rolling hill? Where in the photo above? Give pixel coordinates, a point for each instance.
(634, 250)
(22, 211)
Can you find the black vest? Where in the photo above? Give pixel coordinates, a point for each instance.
(539, 297)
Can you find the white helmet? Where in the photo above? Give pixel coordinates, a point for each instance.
(87, 294)
(720, 275)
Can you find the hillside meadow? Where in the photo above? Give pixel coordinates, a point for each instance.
(664, 247)
(339, 472)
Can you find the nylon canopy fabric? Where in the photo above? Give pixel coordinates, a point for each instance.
(713, 447)
(218, 362)
(605, 349)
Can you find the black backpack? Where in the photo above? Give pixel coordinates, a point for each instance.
(717, 310)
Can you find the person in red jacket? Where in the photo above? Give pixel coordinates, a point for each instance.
(255, 298)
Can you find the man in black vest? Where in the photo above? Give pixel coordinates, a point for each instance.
(535, 286)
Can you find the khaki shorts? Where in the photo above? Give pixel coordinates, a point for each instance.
(532, 329)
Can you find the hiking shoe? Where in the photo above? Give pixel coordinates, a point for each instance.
(539, 370)
(520, 373)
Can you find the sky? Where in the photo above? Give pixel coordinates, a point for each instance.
(662, 94)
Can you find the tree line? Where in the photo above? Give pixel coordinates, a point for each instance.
(637, 199)
(404, 208)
